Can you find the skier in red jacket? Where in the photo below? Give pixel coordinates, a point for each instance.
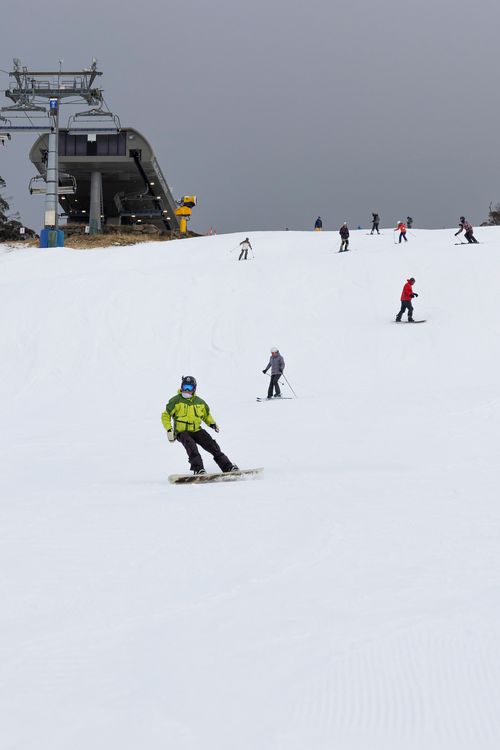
(406, 298)
(401, 228)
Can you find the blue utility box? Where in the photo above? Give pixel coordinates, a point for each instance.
(51, 238)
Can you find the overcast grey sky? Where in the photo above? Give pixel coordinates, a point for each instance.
(275, 111)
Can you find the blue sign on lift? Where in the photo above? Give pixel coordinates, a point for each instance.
(53, 103)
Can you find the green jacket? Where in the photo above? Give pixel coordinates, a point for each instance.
(187, 413)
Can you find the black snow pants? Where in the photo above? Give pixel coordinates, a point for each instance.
(191, 440)
(244, 253)
(402, 236)
(344, 245)
(375, 227)
(470, 238)
(274, 384)
(405, 305)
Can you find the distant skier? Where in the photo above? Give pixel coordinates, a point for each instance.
(406, 297)
(344, 234)
(277, 365)
(318, 224)
(187, 411)
(468, 229)
(245, 247)
(375, 223)
(401, 228)
(409, 222)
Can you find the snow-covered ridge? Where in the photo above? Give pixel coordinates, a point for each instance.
(349, 598)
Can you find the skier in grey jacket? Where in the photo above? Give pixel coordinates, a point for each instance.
(277, 365)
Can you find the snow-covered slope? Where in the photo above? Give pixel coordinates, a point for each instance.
(350, 598)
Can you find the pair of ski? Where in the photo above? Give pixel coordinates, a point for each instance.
(274, 398)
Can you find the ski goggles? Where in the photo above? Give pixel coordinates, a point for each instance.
(187, 387)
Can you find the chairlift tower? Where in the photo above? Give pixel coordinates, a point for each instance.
(38, 95)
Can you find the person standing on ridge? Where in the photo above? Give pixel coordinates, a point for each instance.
(277, 365)
(406, 297)
(409, 222)
(318, 224)
(468, 229)
(375, 223)
(187, 410)
(344, 234)
(245, 247)
(401, 228)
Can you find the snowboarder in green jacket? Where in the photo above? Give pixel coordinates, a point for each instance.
(187, 411)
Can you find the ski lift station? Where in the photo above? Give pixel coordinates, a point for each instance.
(93, 171)
(110, 177)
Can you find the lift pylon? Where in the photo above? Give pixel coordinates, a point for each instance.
(31, 91)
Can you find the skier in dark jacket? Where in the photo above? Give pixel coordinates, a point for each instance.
(468, 229)
(344, 234)
(375, 223)
(277, 365)
(406, 297)
(187, 410)
(318, 224)
(409, 222)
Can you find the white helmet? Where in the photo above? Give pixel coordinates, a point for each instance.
(274, 349)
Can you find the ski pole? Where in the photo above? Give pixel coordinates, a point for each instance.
(395, 236)
(234, 248)
(288, 384)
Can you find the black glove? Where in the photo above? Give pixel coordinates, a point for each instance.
(414, 294)
(456, 234)
(281, 372)
(264, 371)
(214, 427)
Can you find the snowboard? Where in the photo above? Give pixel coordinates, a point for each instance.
(218, 476)
(281, 398)
(405, 321)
